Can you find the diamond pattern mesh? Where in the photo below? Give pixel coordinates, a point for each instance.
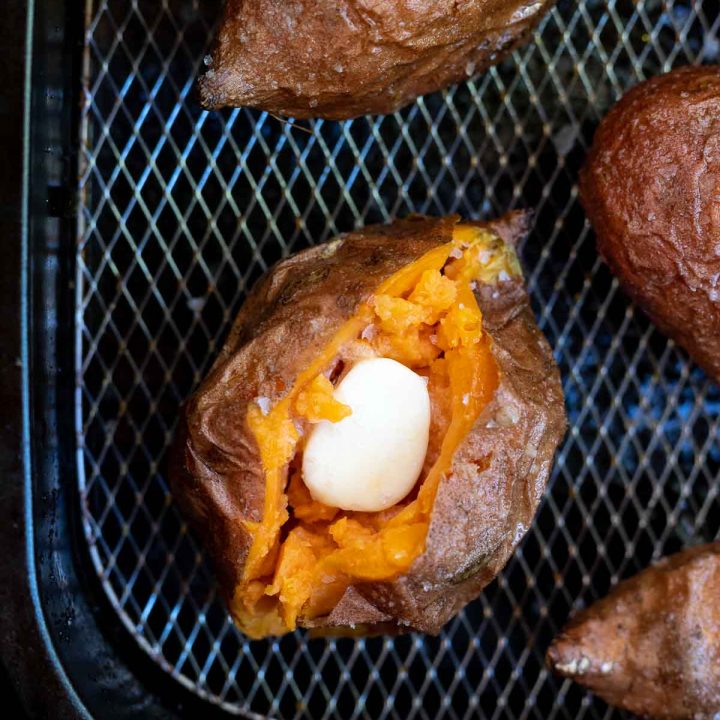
(181, 211)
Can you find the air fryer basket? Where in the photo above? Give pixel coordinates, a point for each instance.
(180, 211)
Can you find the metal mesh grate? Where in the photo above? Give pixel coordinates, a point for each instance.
(182, 210)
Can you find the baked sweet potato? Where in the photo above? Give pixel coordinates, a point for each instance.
(344, 58)
(651, 189)
(652, 646)
(445, 300)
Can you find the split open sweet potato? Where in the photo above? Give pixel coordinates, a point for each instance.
(447, 301)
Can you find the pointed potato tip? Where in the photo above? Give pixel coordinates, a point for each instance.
(569, 659)
(563, 658)
(208, 93)
(552, 656)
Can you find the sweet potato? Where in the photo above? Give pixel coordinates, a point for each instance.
(652, 646)
(403, 291)
(651, 189)
(343, 58)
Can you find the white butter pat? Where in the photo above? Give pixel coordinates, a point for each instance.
(372, 459)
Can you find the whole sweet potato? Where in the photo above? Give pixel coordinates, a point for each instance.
(653, 645)
(285, 560)
(343, 58)
(651, 189)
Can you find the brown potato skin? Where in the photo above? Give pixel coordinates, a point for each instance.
(499, 472)
(651, 189)
(660, 630)
(340, 59)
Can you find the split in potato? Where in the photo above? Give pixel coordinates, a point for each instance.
(444, 304)
(344, 58)
(653, 645)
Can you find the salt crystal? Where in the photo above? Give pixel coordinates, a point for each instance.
(525, 11)
(567, 668)
(507, 416)
(466, 398)
(503, 276)
(369, 332)
(264, 404)
(456, 253)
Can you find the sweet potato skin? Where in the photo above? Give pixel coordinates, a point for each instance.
(652, 646)
(499, 472)
(344, 58)
(650, 189)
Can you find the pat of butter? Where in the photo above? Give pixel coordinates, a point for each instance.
(372, 459)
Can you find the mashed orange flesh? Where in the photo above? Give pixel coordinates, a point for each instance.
(305, 554)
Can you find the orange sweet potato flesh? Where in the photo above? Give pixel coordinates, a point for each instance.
(403, 291)
(652, 646)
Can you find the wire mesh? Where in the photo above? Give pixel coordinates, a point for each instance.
(182, 210)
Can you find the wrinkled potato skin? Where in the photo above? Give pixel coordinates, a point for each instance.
(499, 473)
(661, 632)
(344, 58)
(651, 189)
